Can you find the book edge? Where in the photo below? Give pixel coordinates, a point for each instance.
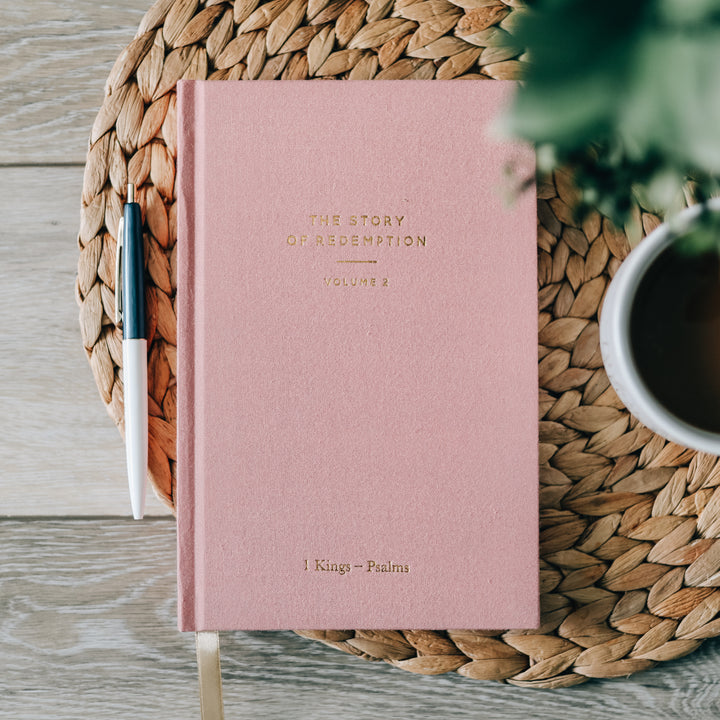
(186, 540)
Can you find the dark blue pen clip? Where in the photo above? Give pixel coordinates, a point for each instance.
(118, 273)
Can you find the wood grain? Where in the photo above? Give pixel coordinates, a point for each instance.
(87, 629)
(60, 452)
(55, 58)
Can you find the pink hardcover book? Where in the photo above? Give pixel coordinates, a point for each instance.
(357, 369)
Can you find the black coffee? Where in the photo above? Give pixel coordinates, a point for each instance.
(675, 334)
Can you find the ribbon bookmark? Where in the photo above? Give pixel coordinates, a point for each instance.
(207, 646)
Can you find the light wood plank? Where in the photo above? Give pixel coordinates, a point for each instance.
(55, 58)
(87, 629)
(60, 452)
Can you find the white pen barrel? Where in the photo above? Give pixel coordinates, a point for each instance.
(136, 420)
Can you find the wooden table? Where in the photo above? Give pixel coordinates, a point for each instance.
(87, 596)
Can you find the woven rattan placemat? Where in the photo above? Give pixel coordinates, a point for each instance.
(628, 525)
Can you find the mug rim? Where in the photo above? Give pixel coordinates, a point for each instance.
(615, 337)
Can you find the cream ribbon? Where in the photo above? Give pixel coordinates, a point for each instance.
(207, 647)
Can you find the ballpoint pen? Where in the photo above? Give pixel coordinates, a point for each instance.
(130, 311)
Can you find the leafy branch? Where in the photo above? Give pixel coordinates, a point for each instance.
(628, 96)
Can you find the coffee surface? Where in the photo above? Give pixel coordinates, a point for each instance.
(675, 334)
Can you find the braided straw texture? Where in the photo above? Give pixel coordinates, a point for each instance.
(630, 564)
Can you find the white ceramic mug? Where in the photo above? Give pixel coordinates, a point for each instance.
(615, 338)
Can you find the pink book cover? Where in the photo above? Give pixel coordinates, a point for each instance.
(357, 370)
